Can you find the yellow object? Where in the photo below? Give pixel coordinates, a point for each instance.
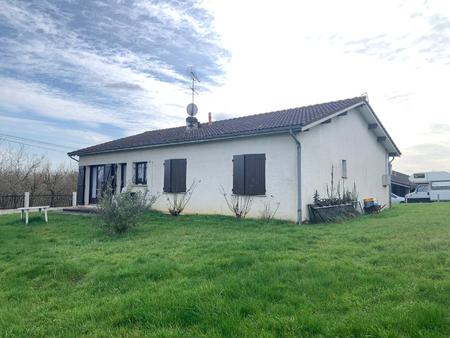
(367, 200)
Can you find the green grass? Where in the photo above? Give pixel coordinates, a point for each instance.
(384, 275)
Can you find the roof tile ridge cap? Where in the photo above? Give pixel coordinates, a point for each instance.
(362, 98)
(293, 108)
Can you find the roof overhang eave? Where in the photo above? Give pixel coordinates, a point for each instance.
(389, 144)
(272, 131)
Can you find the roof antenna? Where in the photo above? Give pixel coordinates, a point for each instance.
(191, 109)
(194, 79)
(365, 95)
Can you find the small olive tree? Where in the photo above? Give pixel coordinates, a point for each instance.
(118, 213)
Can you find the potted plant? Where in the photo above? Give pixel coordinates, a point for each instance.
(340, 203)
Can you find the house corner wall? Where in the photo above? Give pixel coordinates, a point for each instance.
(348, 138)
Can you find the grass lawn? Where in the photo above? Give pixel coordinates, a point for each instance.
(383, 275)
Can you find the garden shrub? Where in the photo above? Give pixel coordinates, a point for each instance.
(118, 213)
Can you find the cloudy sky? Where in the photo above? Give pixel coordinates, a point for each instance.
(79, 73)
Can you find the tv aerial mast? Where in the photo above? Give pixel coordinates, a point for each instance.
(192, 109)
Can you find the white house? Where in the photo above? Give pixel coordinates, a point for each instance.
(283, 156)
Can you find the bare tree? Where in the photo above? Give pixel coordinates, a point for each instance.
(20, 172)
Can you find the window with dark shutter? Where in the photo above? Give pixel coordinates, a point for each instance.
(175, 175)
(140, 173)
(249, 174)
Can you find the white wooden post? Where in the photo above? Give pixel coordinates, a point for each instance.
(74, 199)
(26, 200)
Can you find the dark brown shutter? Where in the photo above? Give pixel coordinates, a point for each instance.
(145, 173)
(80, 185)
(255, 174)
(167, 175)
(239, 174)
(178, 175)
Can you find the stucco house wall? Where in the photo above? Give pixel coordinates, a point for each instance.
(329, 133)
(211, 163)
(346, 138)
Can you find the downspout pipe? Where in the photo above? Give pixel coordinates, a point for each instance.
(299, 176)
(390, 179)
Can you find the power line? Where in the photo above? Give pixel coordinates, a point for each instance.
(36, 141)
(34, 145)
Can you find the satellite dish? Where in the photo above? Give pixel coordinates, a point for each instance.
(192, 109)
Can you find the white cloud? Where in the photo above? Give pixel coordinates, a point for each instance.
(290, 53)
(284, 54)
(48, 48)
(49, 132)
(22, 96)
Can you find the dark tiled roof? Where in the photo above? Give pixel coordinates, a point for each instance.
(400, 178)
(247, 125)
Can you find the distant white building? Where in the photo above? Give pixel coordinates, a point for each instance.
(286, 154)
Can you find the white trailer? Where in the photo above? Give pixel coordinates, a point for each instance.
(431, 186)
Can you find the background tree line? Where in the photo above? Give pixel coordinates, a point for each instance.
(21, 172)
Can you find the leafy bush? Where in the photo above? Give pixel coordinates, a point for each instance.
(117, 213)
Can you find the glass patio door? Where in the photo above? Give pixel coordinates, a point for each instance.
(97, 183)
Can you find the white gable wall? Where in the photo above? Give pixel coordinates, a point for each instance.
(211, 162)
(346, 138)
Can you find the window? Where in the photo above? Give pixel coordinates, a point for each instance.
(440, 185)
(175, 175)
(141, 173)
(97, 182)
(344, 168)
(110, 177)
(249, 174)
(123, 175)
(422, 188)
